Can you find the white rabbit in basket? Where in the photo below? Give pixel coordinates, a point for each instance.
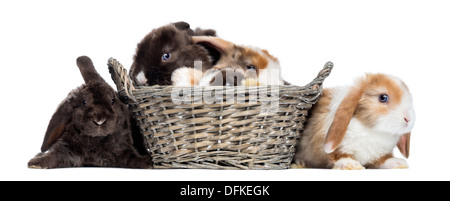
(358, 127)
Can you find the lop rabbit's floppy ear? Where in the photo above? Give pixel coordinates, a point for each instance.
(87, 70)
(403, 144)
(342, 119)
(218, 44)
(55, 129)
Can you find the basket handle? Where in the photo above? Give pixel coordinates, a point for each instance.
(120, 77)
(324, 73)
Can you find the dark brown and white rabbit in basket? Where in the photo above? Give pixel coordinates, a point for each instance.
(358, 127)
(91, 127)
(168, 48)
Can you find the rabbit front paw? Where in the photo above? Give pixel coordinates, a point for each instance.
(348, 164)
(37, 163)
(395, 163)
(34, 166)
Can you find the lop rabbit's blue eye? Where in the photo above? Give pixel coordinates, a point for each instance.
(113, 101)
(383, 98)
(166, 56)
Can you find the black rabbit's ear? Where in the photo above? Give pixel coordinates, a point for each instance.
(182, 25)
(87, 70)
(60, 119)
(204, 32)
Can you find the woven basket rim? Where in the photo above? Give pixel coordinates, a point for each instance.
(124, 82)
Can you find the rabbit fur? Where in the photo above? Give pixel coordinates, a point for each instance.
(358, 127)
(91, 127)
(168, 48)
(237, 65)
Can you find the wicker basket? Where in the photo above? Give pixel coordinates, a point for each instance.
(258, 129)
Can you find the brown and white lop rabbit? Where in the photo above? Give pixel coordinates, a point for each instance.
(358, 127)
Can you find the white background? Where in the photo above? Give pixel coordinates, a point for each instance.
(40, 41)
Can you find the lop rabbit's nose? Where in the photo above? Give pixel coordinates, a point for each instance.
(99, 122)
(232, 77)
(406, 119)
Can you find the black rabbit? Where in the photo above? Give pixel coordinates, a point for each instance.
(91, 127)
(168, 48)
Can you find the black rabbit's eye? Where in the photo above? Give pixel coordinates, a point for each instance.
(383, 98)
(113, 101)
(166, 56)
(250, 67)
(84, 102)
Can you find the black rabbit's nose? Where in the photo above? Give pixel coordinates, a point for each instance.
(99, 122)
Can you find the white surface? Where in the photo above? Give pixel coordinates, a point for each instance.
(40, 40)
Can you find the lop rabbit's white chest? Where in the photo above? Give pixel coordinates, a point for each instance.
(365, 144)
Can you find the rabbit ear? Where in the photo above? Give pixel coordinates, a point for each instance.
(219, 44)
(403, 144)
(87, 70)
(341, 120)
(182, 25)
(60, 119)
